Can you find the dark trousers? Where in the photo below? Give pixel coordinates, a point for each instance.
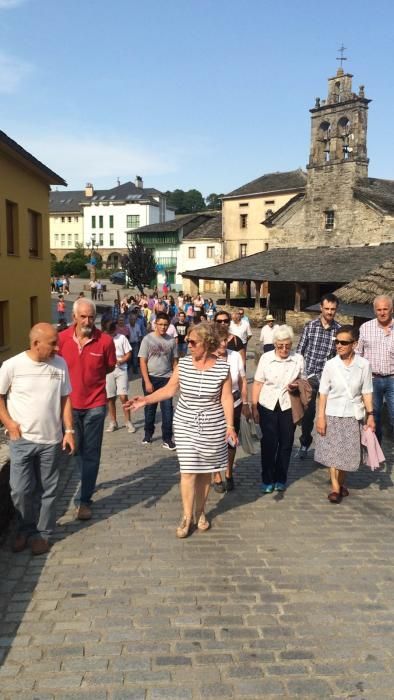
(165, 407)
(309, 415)
(278, 436)
(89, 426)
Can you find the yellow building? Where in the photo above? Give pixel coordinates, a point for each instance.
(24, 244)
(65, 222)
(245, 209)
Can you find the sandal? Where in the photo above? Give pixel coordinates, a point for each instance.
(344, 491)
(334, 497)
(203, 524)
(184, 528)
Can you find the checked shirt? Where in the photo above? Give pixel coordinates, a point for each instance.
(317, 346)
(377, 347)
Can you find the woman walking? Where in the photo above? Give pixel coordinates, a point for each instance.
(275, 376)
(345, 395)
(241, 405)
(203, 421)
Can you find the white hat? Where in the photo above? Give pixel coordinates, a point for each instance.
(269, 317)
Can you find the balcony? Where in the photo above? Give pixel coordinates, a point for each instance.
(166, 263)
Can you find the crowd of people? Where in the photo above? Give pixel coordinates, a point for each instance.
(58, 393)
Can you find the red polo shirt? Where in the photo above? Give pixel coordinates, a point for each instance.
(88, 366)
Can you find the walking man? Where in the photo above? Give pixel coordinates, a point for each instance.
(317, 346)
(90, 356)
(240, 327)
(267, 334)
(376, 344)
(34, 407)
(158, 353)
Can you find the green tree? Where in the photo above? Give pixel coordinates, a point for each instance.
(214, 201)
(73, 263)
(140, 265)
(176, 199)
(193, 201)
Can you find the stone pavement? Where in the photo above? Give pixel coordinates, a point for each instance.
(285, 597)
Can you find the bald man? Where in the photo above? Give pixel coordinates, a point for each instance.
(35, 409)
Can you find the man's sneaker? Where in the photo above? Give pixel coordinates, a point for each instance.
(112, 427)
(130, 427)
(267, 488)
(147, 440)
(169, 445)
(302, 452)
(279, 486)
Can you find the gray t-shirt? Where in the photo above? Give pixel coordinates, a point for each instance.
(159, 352)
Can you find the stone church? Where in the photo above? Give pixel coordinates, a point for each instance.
(337, 227)
(341, 205)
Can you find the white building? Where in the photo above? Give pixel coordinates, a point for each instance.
(106, 216)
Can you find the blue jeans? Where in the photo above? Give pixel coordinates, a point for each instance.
(383, 388)
(34, 477)
(165, 407)
(134, 357)
(89, 427)
(278, 436)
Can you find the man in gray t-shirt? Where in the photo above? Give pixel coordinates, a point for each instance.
(158, 353)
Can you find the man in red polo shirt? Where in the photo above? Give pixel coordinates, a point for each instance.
(90, 356)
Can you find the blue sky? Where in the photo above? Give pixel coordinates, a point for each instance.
(186, 93)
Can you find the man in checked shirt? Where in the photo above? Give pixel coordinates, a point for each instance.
(317, 346)
(376, 344)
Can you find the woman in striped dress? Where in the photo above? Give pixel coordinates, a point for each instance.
(203, 421)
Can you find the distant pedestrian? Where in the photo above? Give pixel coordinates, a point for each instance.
(267, 334)
(90, 356)
(61, 309)
(181, 327)
(241, 328)
(93, 289)
(36, 386)
(99, 288)
(117, 382)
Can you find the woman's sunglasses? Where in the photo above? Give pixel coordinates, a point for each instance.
(192, 342)
(222, 320)
(343, 342)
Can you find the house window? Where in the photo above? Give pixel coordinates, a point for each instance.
(76, 219)
(330, 216)
(69, 240)
(63, 219)
(76, 238)
(269, 201)
(4, 323)
(266, 246)
(12, 228)
(69, 218)
(133, 220)
(101, 221)
(210, 251)
(63, 240)
(111, 239)
(101, 239)
(33, 311)
(242, 250)
(243, 220)
(35, 234)
(56, 239)
(111, 221)
(130, 239)
(93, 222)
(244, 204)
(192, 252)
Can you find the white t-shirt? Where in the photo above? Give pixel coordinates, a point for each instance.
(237, 369)
(267, 334)
(242, 330)
(34, 391)
(122, 346)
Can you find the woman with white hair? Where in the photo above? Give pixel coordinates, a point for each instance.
(276, 373)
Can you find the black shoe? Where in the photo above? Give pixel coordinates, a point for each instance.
(169, 445)
(229, 483)
(218, 486)
(147, 440)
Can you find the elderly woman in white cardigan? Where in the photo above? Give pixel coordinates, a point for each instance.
(276, 373)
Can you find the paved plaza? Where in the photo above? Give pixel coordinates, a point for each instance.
(287, 596)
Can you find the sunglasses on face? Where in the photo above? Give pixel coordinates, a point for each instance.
(284, 347)
(192, 343)
(343, 342)
(222, 320)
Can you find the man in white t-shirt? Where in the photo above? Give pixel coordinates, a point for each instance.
(267, 334)
(117, 382)
(34, 407)
(242, 329)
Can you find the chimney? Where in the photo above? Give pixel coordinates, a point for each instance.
(89, 190)
(139, 182)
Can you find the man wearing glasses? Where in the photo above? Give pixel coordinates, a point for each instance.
(158, 354)
(317, 345)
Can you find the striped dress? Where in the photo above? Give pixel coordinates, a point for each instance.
(199, 422)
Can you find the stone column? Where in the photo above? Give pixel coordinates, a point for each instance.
(194, 281)
(248, 289)
(228, 284)
(297, 297)
(258, 295)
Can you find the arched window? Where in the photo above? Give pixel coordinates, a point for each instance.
(325, 140)
(344, 138)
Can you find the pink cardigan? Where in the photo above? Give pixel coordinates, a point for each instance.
(372, 452)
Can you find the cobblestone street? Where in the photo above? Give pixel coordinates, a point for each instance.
(286, 596)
